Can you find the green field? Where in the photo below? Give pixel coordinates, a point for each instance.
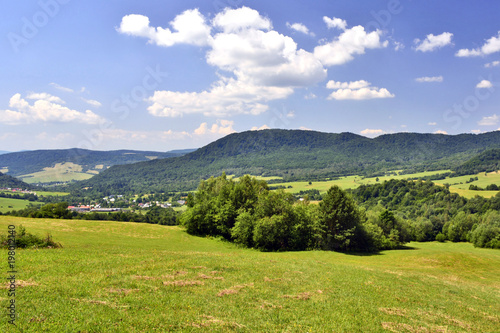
(7, 204)
(459, 185)
(128, 277)
(61, 172)
(350, 182)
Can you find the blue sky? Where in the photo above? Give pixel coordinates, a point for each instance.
(162, 75)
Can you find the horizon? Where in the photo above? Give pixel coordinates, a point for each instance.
(268, 129)
(163, 75)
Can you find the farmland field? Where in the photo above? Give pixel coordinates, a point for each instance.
(61, 172)
(7, 204)
(129, 277)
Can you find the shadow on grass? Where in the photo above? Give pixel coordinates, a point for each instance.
(379, 253)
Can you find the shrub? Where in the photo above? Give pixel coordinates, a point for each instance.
(27, 240)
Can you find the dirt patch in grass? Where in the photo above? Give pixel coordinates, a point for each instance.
(304, 296)
(403, 328)
(20, 284)
(207, 277)
(182, 283)
(233, 289)
(394, 311)
(211, 321)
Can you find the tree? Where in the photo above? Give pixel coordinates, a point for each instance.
(340, 219)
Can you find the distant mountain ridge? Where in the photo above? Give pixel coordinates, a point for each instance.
(295, 154)
(27, 162)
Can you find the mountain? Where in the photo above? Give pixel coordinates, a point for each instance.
(7, 181)
(294, 154)
(4, 152)
(487, 161)
(77, 160)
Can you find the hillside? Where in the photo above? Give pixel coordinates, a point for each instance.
(487, 161)
(294, 154)
(28, 164)
(7, 181)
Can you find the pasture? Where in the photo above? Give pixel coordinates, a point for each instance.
(61, 172)
(130, 277)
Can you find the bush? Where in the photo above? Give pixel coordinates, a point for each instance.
(27, 240)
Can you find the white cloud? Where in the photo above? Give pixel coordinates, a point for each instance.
(432, 124)
(55, 85)
(440, 132)
(371, 133)
(223, 127)
(300, 28)
(475, 131)
(244, 18)
(310, 96)
(44, 110)
(431, 42)
(398, 46)
(430, 79)
(189, 28)
(489, 121)
(265, 65)
(491, 45)
(335, 22)
(45, 97)
(484, 84)
(225, 98)
(92, 102)
(303, 128)
(347, 85)
(263, 127)
(492, 64)
(351, 42)
(357, 90)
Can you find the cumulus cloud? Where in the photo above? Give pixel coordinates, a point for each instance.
(491, 45)
(440, 132)
(356, 90)
(429, 79)
(44, 109)
(300, 28)
(371, 133)
(492, 64)
(484, 84)
(475, 131)
(431, 42)
(489, 121)
(265, 65)
(223, 127)
(351, 42)
(335, 22)
(45, 97)
(244, 18)
(190, 27)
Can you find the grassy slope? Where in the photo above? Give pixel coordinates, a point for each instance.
(109, 277)
(16, 204)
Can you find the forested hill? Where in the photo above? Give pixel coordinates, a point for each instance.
(7, 181)
(485, 162)
(26, 162)
(293, 154)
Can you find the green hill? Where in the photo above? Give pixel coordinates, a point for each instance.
(29, 163)
(293, 155)
(7, 181)
(487, 161)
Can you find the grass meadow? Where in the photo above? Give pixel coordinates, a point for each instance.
(129, 277)
(7, 204)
